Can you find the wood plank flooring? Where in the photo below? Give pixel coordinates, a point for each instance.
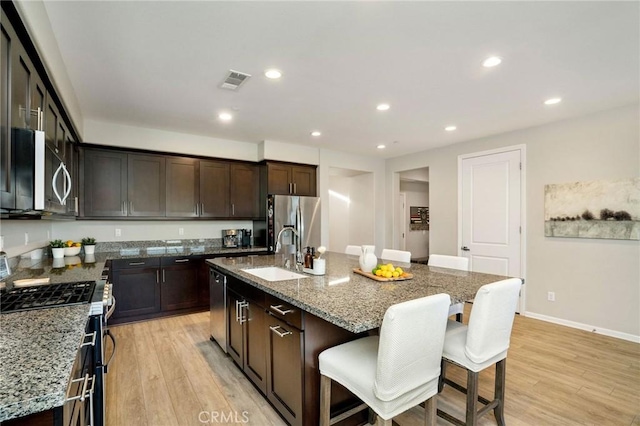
(168, 372)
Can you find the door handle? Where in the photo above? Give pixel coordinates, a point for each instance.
(465, 248)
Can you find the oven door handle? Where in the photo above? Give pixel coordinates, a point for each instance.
(111, 309)
(113, 340)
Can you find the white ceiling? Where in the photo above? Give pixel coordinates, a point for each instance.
(158, 64)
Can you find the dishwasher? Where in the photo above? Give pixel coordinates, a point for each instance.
(217, 310)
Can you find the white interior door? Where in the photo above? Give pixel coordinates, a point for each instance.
(490, 213)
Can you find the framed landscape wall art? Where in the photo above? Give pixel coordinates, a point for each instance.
(596, 209)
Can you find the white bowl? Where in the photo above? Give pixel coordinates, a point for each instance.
(71, 251)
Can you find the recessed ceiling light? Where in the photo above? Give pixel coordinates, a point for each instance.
(381, 146)
(492, 61)
(383, 107)
(553, 101)
(225, 116)
(450, 128)
(273, 73)
(315, 133)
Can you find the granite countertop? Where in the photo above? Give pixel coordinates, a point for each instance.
(38, 349)
(351, 301)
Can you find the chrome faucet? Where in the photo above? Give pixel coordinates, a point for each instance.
(298, 254)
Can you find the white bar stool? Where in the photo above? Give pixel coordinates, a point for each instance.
(392, 372)
(482, 343)
(396, 255)
(451, 262)
(353, 250)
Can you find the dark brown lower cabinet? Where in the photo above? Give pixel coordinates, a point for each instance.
(246, 337)
(179, 288)
(151, 287)
(136, 287)
(284, 369)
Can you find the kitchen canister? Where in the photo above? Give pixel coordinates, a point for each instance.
(367, 259)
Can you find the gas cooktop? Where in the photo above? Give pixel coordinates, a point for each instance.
(46, 296)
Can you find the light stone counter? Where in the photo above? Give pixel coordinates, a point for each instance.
(349, 300)
(37, 351)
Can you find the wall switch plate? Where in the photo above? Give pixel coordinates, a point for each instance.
(118, 232)
(551, 296)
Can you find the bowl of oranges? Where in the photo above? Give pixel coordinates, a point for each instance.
(72, 248)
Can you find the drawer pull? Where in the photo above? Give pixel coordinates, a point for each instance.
(136, 263)
(277, 309)
(279, 333)
(93, 339)
(181, 260)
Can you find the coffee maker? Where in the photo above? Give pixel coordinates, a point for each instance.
(230, 238)
(245, 237)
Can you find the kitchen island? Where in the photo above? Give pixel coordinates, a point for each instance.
(277, 329)
(352, 301)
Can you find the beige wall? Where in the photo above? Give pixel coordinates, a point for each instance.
(597, 282)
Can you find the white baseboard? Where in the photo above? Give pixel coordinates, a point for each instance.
(587, 327)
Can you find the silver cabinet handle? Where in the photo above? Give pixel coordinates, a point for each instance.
(197, 213)
(157, 276)
(163, 276)
(279, 333)
(295, 188)
(92, 342)
(280, 311)
(201, 209)
(233, 209)
(131, 207)
(181, 260)
(136, 263)
(124, 208)
(241, 317)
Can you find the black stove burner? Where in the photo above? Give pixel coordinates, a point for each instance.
(46, 296)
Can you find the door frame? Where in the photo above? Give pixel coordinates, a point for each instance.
(401, 224)
(523, 211)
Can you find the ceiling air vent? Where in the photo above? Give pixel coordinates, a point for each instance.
(234, 80)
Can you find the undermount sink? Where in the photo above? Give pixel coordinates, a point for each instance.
(273, 273)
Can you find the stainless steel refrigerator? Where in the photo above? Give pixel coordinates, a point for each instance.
(299, 213)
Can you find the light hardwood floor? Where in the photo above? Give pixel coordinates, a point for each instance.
(168, 372)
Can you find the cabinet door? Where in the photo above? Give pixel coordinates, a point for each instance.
(279, 179)
(183, 187)
(7, 183)
(285, 375)
(235, 334)
(104, 183)
(179, 288)
(71, 161)
(304, 180)
(255, 345)
(214, 189)
(146, 186)
(137, 291)
(245, 191)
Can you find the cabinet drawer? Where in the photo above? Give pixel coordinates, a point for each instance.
(151, 262)
(285, 311)
(177, 260)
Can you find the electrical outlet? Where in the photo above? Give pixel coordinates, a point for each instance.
(1, 242)
(180, 231)
(26, 238)
(551, 296)
(118, 232)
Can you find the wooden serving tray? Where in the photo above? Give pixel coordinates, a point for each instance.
(377, 278)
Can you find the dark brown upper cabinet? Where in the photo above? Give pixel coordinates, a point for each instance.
(214, 189)
(118, 184)
(244, 190)
(183, 187)
(291, 179)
